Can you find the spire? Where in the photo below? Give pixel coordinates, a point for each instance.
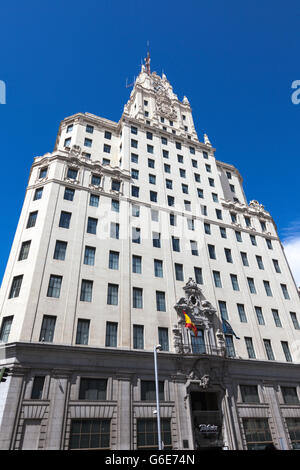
(206, 140)
(147, 60)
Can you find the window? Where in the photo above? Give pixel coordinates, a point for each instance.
(293, 425)
(172, 219)
(69, 194)
(178, 145)
(211, 182)
(92, 389)
(276, 266)
(111, 337)
(171, 201)
(82, 334)
(207, 229)
(165, 153)
(137, 297)
(67, 142)
(251, 285)
(90, 434)
(156, 239)
(134, 143)
(238, 236)
(289, 395)
(212, 251)
(269, 350)
(151, 163)
(24, 250)
(195, 164)
(147, 433)
(158, 268)
(259, 262)
(249, 393)
(268, 288)
(5, 328)
(86, 154)
(65, 219)
(164, 141)
(135, 191)
(134, 130)
(94, 200)
(134, 174)
(47, 329)
(234, 282)
(200, 193)
(89, 255)
(150, 148)
(106, 148)
(167, 168)
(198, 275)
(295, 320)
(208, 168)
(136, 264)
(223, 232)
(92, 225)
(60, 250)
(86, 290)
(253, 240)
(269, 244)
(180, 158)
(250, 348)
(54, 286)
(286, 350)
(87, 142)
(37, 387)
(175, 243)
(134, 158)
(191, 224)
(259, 315)
(223, 310)
(219, 214)
(32, 219)
(187, 205)
(138, 337)
(214, 197)
(69, 128)
(153, 196)
(38, 194)
(247, 221)
(257, 433)
(232, 188)
(89, 129)
(96, 180)
(148, 392)
(185, 188)
(242, 313)
(228, 255)
(112, 294)
(182, 172)
(160, 301)
(152, 179)
(217, 278)
(135, 210)
(194, 248)
(244, 258)
(136, 235)
(107, 135)
(285, 291)
(113, 262)
(229, 346)
(163, 338)
(263, 225)
(115, 185)
(179, 272)
(276, 318)
(203, 210)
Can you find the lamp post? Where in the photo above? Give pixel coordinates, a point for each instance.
(157, 348)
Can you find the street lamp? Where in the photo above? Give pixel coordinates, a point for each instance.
(157, 348)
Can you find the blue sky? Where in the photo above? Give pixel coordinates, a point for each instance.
(234, 60)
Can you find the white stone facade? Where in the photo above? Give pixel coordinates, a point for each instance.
(154, 148)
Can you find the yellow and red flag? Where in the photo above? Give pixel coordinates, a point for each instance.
(190, 324)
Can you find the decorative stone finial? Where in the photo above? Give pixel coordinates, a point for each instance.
(206, 140)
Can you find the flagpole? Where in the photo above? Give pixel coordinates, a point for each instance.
(157, 348)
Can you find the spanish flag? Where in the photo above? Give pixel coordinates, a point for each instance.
(190, 324)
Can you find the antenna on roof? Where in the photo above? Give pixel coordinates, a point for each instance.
(147, 60)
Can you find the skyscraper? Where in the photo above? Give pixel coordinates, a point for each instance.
(125, 228)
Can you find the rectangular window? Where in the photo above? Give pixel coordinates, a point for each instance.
(115, 185)
(194, 163)
(295, 320)
(228, 255)
(114, 230)
(5, 328)
(175, 243)
(259, 315)
(244, 259)
(107, 135)
(259, 262)
(156, 239)
(238, 236)
(167, 168)
(138, 337)
(257, 433)
(223, 310)
(113, 262)
(205, 154)
(112, 294)
(251, 285)
(153, 196)
(147, 433)
(191, 224)
(32, 219)
(96, 180)
(165, 153)
(82, 334)
(269, 350)
(148, 390)
(276, 318)
(47, 329)
(86, 290)
(223, 232)
(229, 346)
(268, 288)
(60, 250)
(211, 182)
(24, 250)
(111, 337)
(249, 393)
(94, 200)
(179, 272)
(269, 244)
(134, 158)
(115, 205)
(197, 177)
(65, 219)
(15, 286)
(293, 425)
(136, 264)
(150, 148)
(38, 194)
(70, 128)
(200, 193)
(37, 387)
(285, 291)
(276, 266)
(217, 278)
(54, 286)
(171, 201)
(90, 434)
(160, 301)
(136, 235)
(134, 130)
(187, 205)
(242, 313)
(234, 282)
(163, 338)
(172, 219)
(289, 395)
(203, 210)
(198, 275)
(106, 148)
(263, 225)
(247, 221)
(134, 143)
(92, 225)
(182, 172)
(89, 255)
(169, 184)
(69, 194)
(152, 179)
(89, 129)
(158, 268)
(67, 142)
(135, 210)
(212, 251)
(137, 297)
(151, 163)
(286, 350)
(135, 191)
(185, 188)
(215, 197)
(250, 348)
(219, 214)
(92, 389)
(88, 142)
(194, 248)
(134, 174)
(253, 240)
(207, 228)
